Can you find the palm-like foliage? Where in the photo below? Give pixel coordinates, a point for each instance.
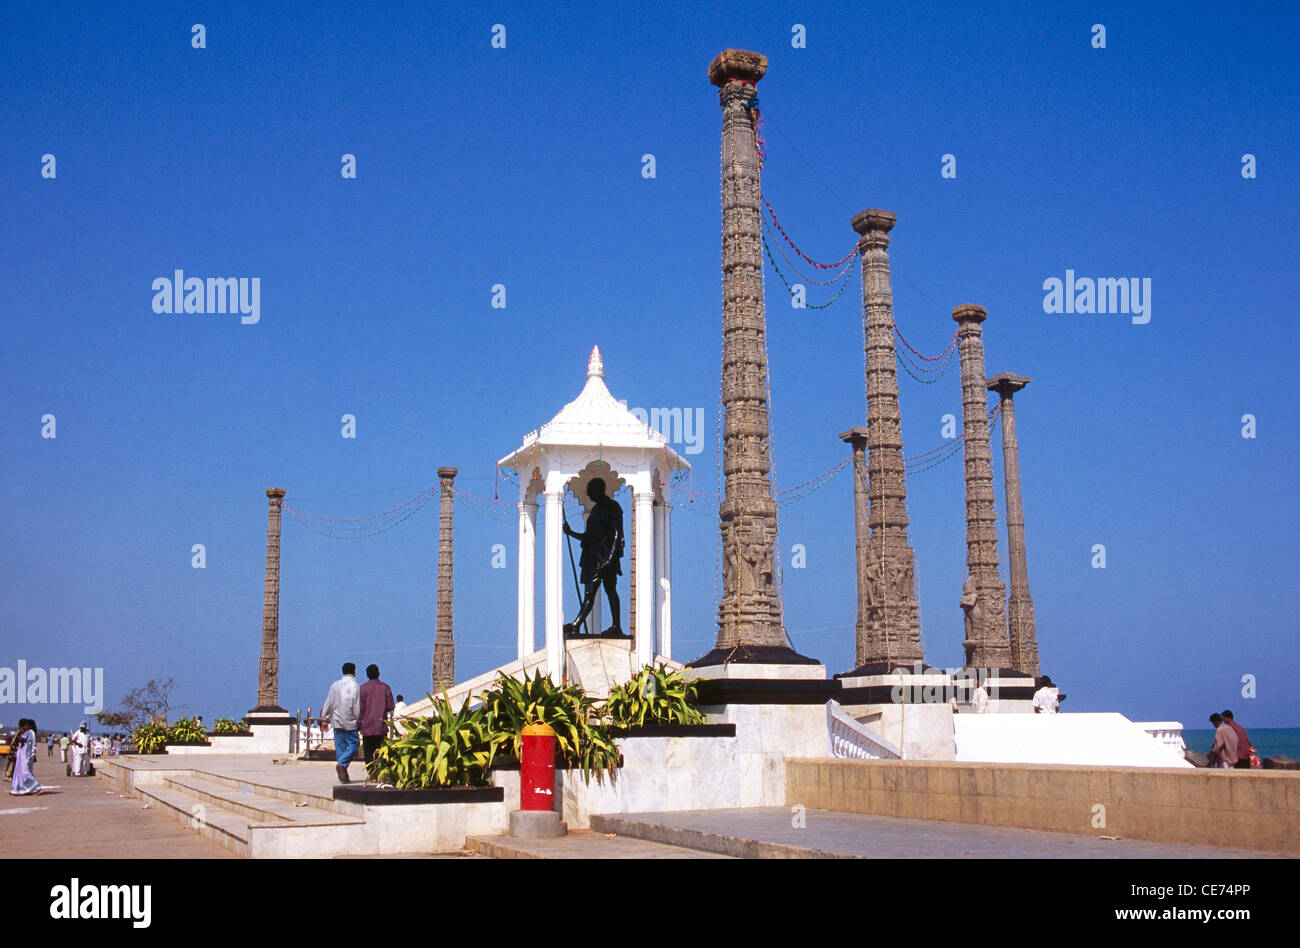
(229, 726)
(149, 738)
(448, 748)
(186, 730)
(657, 695)
(582, 736)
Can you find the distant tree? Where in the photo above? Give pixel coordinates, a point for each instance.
(148, 704)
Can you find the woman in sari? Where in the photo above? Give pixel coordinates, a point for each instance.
(24, 781)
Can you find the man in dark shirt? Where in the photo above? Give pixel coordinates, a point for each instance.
(602, 548)
(376, 704)
(1243, 742)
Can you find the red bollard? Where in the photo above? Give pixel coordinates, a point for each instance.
(537, 816)
(537, 768)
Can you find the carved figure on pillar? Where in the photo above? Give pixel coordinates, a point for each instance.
(989, 646)
(444, 644)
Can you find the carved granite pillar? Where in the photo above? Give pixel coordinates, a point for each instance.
(1020, 606)
(750, 610)
(986, 644)
(444, 645)
(893, 631)
(268, 669)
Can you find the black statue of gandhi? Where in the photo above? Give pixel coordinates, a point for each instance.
(602, 548)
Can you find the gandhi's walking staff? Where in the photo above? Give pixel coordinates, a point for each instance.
(577, 587)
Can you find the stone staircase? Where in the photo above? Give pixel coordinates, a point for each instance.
(249, 820)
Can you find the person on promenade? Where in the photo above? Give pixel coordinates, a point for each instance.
(376, 704)
(1244, 749)
(1046, 698)
(398, 706)
(24, 751)
(980, 698)
(80, 752)
(49, 744)
(1224, 752)
(342, 711)
(64, 740)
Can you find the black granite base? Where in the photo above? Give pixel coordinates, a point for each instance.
(675, 730)
(374, 796)
(752, 655)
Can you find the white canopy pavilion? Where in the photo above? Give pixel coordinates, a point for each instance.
(596, 436)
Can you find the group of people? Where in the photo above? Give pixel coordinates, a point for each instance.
(358, 715)
(1232, 749)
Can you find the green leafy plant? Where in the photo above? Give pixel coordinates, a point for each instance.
(448, 748)
(657, 695)
(230, 726)
(149, 738)
(582, 736)
(186, 730)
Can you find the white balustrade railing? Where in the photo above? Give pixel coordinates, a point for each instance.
(1169, 733)
(850, 739)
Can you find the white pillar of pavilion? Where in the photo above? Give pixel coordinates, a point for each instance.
(595, 436)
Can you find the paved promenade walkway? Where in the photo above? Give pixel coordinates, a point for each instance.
(768, 831)
(86, 817)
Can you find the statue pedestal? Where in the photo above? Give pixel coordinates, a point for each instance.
(776, 699)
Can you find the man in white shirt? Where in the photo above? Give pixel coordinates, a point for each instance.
(342, 712)
(1046, 698)
(980, 698)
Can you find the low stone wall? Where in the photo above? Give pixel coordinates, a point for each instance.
(658, 773)
(1239, 809)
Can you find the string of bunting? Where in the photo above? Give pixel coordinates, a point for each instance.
(844, 281)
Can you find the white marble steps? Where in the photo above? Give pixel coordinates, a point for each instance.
(223, 811)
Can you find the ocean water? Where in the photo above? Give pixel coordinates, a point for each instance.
(1269, 741)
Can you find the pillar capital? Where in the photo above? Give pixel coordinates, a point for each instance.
(856, 436)
(448, 473)
(874, 225)
(275, 493)
(1007, 384)
(739, 64)
(969, 314)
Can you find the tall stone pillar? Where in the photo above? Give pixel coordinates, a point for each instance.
(986, 637)
(750, 611)
(444, 644)
(268, 669)
(892, 625)
(1020, 606)
(857, 440)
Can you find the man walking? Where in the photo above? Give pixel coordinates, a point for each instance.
(342, 712)
(376, 704)
(1243, 742)
(64, 741)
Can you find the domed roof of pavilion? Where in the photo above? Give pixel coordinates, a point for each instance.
(595, 419)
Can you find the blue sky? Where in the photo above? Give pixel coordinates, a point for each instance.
(522, 166)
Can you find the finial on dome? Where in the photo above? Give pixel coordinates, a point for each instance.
(595, 367)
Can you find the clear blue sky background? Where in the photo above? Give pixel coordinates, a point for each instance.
(522, 166)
